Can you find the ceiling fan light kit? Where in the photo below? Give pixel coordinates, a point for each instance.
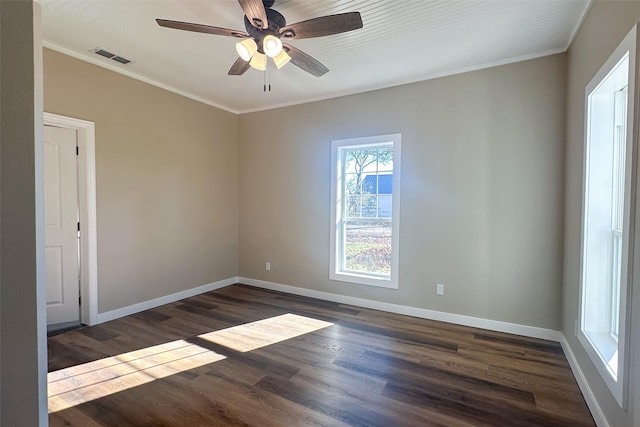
(246, 49)
(265, 28)
(259, 61)
(271, 45)
(281, 59)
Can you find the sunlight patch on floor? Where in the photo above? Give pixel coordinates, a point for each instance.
(90, 381)
(261, 333)
(82, 383)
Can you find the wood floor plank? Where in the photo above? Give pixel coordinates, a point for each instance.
(191, 363)
(336, 407)
(267, 409)
(358, 390)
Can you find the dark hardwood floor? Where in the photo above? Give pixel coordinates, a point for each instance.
(303, 362)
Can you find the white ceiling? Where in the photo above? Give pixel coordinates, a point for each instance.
(402, 41)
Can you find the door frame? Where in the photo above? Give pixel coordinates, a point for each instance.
(87, 211)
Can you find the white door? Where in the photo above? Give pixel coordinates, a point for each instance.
(61, 223)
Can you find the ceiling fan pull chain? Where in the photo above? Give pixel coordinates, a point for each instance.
(269, 79)
(264, 81)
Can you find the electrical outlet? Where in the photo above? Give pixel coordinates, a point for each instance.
(439, 289)
(267, 266)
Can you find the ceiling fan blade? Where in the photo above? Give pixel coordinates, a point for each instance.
(200, 28)
(239, 67)
(305, 61)
(255, 12)
(323, 26)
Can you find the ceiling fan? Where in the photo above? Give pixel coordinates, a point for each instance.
(265, 29)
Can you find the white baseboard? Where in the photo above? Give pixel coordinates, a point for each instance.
(589, 397)
(459, 319)
(146, 305)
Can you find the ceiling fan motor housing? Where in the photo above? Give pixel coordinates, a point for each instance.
(275, 20)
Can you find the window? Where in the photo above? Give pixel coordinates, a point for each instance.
(364, 210)
(607, 218)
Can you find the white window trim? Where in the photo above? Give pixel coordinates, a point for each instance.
(364, 279)
(617, 385)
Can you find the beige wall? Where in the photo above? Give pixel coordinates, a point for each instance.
(23, 348)
(481, 198)
(604, 27)
(167, 193)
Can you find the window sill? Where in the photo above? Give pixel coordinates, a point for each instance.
(607, 349)
(602, 349)
(363, 279)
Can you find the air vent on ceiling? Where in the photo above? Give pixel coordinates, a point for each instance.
(120, 59)
(112, 56)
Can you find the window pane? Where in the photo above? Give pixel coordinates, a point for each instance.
(615, 291)
(350, 164)
(369, 206)
(353, 207)
(368, 159)
(385, 184)
(352, 184)
(368, 247)
(384, 206)
(385, 159)
(370, 184)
